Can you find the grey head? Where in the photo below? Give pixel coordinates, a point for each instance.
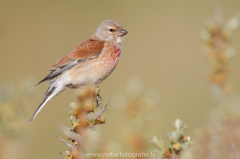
(110, 30)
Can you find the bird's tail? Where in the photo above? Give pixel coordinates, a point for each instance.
(52, 91)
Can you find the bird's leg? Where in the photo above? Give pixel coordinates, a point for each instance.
(98, 93)
(97, 96)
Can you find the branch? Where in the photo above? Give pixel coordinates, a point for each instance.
(64, 142)
(103, 109)
(61, 155)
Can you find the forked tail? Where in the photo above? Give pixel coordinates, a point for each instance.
(52, 91)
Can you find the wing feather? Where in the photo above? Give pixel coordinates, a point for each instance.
(89, 49)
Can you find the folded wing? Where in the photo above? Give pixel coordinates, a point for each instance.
(89, 49)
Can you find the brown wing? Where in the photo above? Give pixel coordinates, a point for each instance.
(89, 49)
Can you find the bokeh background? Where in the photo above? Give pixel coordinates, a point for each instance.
(162, 50)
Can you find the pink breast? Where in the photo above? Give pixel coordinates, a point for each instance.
(101, 67)
(111, 54)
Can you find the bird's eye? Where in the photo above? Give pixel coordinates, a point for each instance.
(111, 30)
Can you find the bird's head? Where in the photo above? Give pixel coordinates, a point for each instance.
(110, 30)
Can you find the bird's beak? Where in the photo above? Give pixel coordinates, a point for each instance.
(122, 32)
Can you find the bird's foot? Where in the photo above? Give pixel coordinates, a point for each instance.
(98, 98)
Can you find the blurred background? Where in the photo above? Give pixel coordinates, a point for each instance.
(161, 55)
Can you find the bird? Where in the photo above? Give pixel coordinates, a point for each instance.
(90, 62)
